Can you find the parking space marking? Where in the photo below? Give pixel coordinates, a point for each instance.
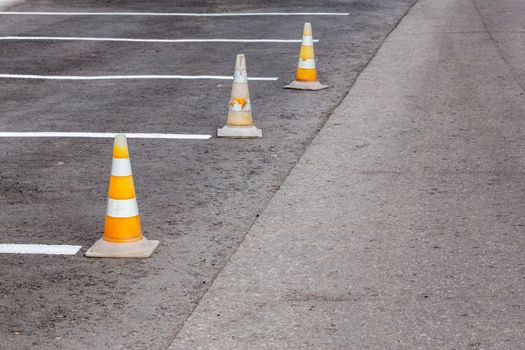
(39, 249)
(64, 38)
(106, 135)
(126, 77)
(176, 14)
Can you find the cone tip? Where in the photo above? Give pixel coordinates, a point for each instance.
(120, 147)
(307, 29)
(240, 63)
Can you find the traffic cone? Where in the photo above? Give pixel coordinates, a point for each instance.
(306, 75)
(240, 121)
(122, 233)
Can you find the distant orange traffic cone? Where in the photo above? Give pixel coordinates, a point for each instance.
(122, 233)
(240, 120)
(306, 75)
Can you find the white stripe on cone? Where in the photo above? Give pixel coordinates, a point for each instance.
(240, 77)
(308, 40)
(307, 64)
(122, 208)
(121, 167)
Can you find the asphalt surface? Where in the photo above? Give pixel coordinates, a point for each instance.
(402, 225)
(199, 198)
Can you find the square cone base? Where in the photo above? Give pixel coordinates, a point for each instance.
(303, 85)
(239, 132)
(139, 249)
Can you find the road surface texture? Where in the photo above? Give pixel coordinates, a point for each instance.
(199, 198)
(402, 225)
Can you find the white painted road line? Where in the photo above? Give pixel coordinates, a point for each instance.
(39, 249)
(105, 135)
(65, 38)
(126, 77)
(175, 14)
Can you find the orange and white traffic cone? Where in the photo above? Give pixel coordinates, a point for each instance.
(240, 120)
(306, 75)
(122, 233)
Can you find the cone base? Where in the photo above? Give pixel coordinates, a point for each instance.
(239, 132)
(139, 249)
(303, 85)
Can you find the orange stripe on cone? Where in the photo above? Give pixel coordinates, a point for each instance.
(121, 187)
(306, 75)
(122, 230)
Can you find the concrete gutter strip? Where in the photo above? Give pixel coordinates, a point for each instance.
(401, 227)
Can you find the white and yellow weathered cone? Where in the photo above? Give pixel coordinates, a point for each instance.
(306, 75)
(122, 232)
(240, 120)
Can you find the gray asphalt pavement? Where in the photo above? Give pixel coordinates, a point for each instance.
(402, 225)
(199, 198)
